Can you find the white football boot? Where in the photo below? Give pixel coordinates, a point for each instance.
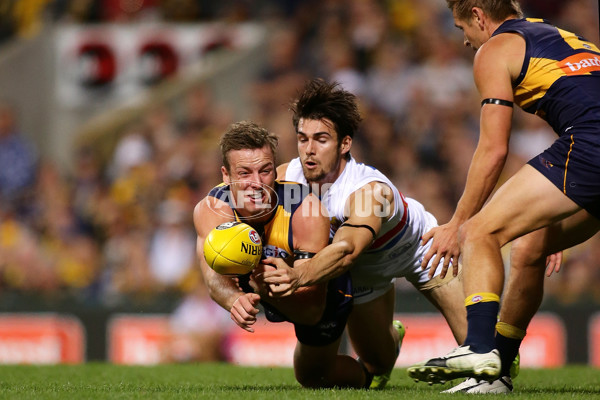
(472, 386)
(459, 363)
(501, 385)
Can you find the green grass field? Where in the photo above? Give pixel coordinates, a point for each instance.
(223, 381)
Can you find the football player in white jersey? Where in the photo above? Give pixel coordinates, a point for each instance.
(376, 231)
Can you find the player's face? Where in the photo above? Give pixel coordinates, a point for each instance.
(474, 37)
(251, 176)
(319, 150)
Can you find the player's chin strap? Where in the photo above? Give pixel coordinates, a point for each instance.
(360, 226)
(498, 102)
(303, 255)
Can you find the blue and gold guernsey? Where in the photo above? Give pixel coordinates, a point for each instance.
(560, 77)
(276, 232)
(560, 82)
(278, 241)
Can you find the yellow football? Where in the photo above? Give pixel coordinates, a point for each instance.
(233, 248)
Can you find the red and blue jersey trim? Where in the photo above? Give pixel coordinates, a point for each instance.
(393, 236)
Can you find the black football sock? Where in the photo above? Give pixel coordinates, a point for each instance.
(508, 342)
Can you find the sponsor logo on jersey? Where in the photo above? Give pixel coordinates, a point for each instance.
(579, 64)
(274, 251)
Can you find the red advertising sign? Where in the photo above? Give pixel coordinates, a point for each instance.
(41, 339)
(594, 339)
(271, 344)
(140, 340)
(137, 339)
(429, 336)
(545, 345)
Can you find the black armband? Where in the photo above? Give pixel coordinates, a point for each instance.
(498, 102)
(360, 226)
(303, 255)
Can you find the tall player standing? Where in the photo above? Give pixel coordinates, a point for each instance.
(552, 203)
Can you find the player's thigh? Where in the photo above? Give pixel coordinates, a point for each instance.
(571, 231)
(537, 245)
(369, 326)
(526, 202)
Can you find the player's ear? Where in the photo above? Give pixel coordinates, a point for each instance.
(478, 16)
(346, 144)
(225, 174)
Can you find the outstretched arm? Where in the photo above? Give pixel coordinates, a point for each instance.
(209, 213)
(493, 76)
(368, 206)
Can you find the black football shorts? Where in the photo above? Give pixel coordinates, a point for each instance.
(572, 163)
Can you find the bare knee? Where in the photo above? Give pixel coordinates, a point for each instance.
(313, 374)
(312, 381)
(471, 232)
(527, 251)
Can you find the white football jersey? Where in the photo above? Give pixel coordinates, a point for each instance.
(397, 250)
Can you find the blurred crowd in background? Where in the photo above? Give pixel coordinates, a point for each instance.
(120, 229)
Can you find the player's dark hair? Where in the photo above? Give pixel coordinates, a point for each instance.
(498, 10)
(246, 135)
(319, 99)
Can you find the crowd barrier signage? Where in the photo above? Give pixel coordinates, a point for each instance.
(139, 340)
(41, 339)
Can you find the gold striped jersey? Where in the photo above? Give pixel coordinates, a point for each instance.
(560, 77)
(276, 233)
(278, 241)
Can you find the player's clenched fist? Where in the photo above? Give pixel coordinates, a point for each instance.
(243, 311)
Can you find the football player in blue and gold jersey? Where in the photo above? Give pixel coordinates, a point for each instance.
(552, 203)
(293, 226)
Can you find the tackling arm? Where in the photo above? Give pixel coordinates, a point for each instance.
(365, 206)
(493, 78)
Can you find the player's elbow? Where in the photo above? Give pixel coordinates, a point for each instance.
(348, 251)
(213, 289)
(500, 155)
(213, 294)
(495, 153)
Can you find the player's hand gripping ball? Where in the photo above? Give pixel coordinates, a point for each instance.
(233, 248)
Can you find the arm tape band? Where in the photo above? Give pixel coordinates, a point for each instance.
(498, 102)
(360, 226)
(302, 255)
